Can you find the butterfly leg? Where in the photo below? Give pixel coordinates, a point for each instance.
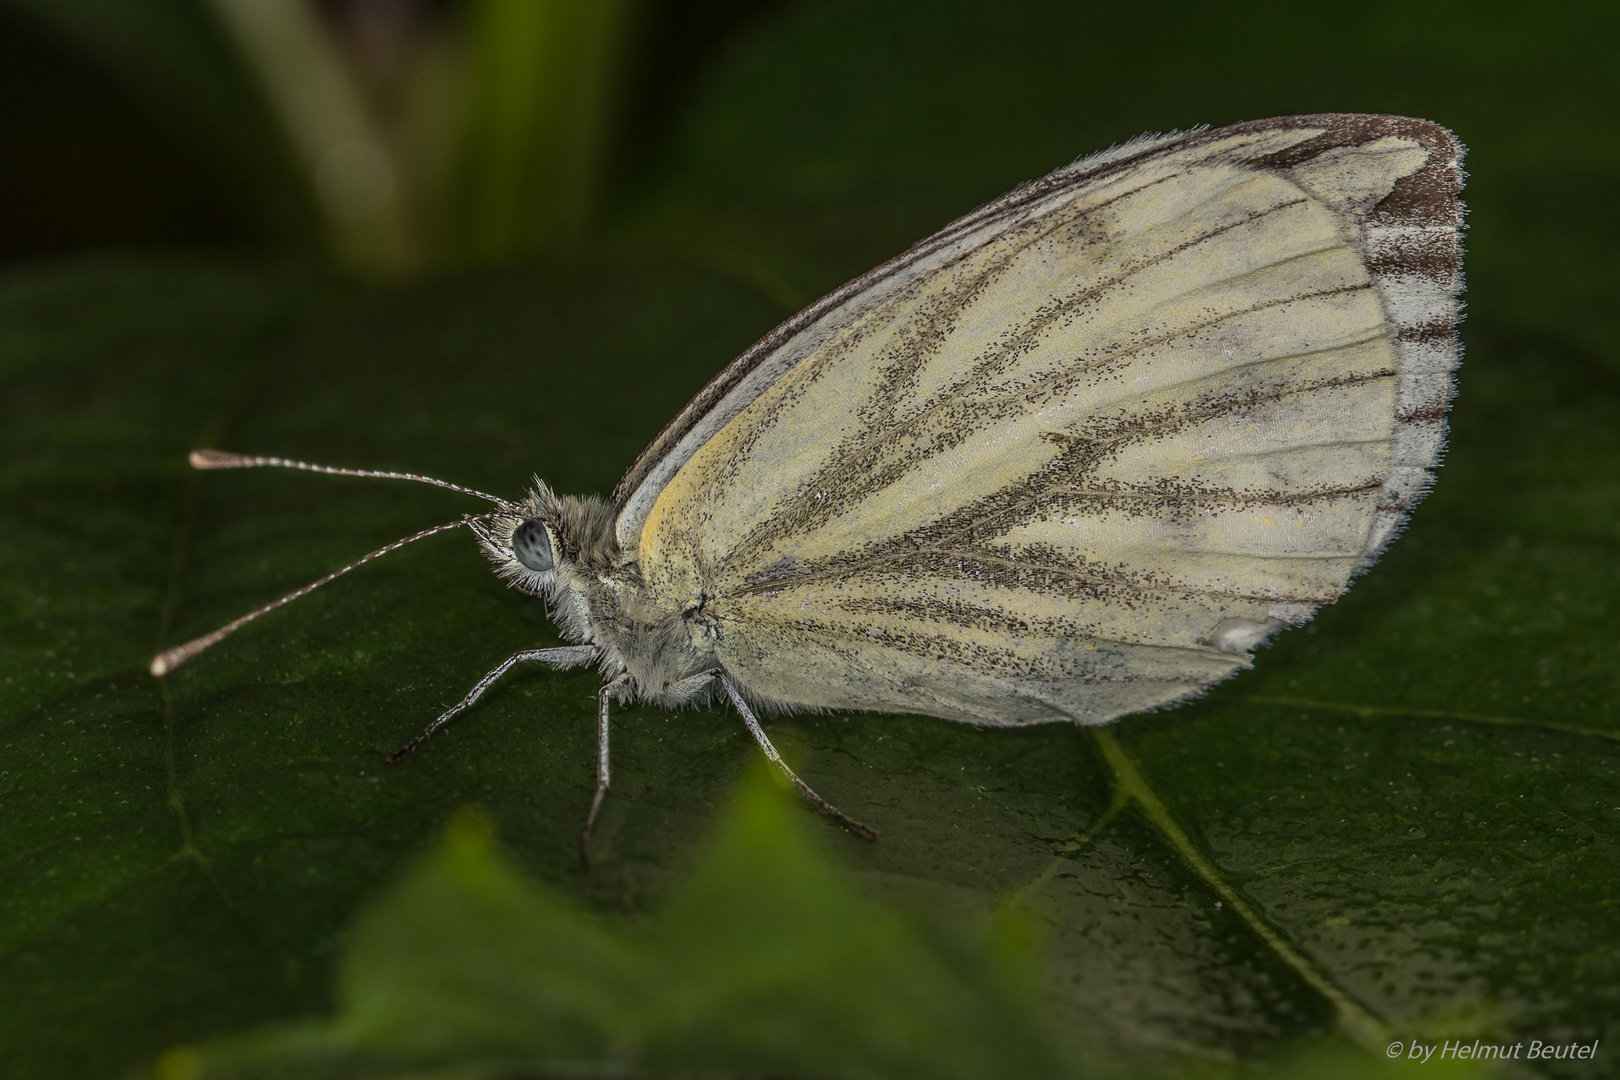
(566, 657)
(776, 759)
(603, 777)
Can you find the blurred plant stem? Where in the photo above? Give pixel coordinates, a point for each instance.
(539, 112)
(479, 137)
(343, 153)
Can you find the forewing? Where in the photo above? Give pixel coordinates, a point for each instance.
(1082, 451)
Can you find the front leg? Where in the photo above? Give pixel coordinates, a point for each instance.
(566, 656)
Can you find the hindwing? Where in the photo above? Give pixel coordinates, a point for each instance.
(1082, 451)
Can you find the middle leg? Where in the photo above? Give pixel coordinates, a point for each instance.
(603, 776)
(566, 656)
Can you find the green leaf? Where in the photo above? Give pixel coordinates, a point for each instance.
(764, 962)
(1402, 824)
(1412, 803)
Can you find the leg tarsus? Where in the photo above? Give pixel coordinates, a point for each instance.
(590, 824)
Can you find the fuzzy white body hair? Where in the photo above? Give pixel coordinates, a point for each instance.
(595, 595)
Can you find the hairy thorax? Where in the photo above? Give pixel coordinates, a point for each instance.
(599, 598)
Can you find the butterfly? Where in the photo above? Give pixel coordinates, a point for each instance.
(1075, 456)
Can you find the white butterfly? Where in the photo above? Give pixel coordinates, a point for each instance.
(1075, 456)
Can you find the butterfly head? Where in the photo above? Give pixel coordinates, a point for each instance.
(544, 543)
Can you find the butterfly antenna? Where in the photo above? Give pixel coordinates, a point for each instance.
(169, 659)
(224, 459)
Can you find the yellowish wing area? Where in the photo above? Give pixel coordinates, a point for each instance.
(1076, 470)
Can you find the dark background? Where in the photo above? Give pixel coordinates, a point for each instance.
(1416, 796)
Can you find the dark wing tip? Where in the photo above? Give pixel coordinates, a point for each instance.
(1431, 195)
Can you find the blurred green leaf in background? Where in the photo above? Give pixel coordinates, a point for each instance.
(504, 239)
(762, 962)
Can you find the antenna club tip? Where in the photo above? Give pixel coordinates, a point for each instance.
(159, 665)
(215, 459)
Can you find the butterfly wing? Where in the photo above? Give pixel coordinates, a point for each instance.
(1082, 451)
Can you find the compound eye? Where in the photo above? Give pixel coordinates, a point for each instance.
(531, 543)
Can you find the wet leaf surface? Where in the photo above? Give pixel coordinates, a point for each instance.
(1403, 822)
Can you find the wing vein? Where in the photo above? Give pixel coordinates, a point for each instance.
(1063, 307)
(783, 512)
(1167, 422)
